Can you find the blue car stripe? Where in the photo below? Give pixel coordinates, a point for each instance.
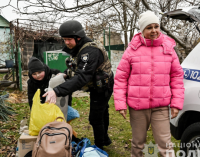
(192, 74)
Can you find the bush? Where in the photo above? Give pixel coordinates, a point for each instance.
(4, 109)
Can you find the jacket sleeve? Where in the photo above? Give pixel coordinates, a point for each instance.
(121, 82)
(31, 92)
(176, 83)
(84, 73)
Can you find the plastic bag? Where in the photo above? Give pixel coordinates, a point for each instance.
(80, 147)
(41, 114)
(61, 102)
(92, 151)
(23, 126)
(72, 114)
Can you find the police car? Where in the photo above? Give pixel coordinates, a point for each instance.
(186, 126)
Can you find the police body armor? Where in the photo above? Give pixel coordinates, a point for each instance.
(103, 73)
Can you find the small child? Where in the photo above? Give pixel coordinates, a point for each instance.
(39, 76)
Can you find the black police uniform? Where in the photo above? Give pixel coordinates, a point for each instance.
(86, 68)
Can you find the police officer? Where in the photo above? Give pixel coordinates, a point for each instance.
(93, 72)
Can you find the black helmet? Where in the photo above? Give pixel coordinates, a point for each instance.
(71, 28)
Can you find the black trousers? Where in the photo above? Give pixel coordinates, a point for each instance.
(70, 99)
(99, 115)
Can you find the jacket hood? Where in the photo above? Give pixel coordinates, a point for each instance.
(167, 42)
(76, 49)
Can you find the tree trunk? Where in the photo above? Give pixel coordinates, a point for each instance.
(125, 26)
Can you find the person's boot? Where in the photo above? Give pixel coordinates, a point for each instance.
(98, 135)
(107, 140)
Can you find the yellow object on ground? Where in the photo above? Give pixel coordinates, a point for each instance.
(41, 114)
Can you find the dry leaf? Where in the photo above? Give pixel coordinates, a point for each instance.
(126, 146)
(3, 130)
(1, 152)
(9, 155)
(11, 136)
(3, 148)
(149, 128)
(13, 128)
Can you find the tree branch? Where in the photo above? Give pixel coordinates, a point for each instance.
(56, 7)
(162, 27)
(129, 6)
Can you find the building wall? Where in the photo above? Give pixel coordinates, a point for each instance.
(5, 51)
(27, 52)
(115, 39)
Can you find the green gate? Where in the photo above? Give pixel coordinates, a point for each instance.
(56, 59)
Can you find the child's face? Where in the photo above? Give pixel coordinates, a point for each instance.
(38, 75)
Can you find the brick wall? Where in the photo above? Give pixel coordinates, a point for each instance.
(27, 52)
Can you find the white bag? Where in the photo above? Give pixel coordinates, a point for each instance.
(61, 102)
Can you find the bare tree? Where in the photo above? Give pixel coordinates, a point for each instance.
(112, 14)
(120, 15)
(180, 31)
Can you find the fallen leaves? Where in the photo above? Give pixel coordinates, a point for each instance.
(126, 145)
(17, 97)
(13, 128)
(4, 130)
(8, 151)
(13, 98)
(10, 128)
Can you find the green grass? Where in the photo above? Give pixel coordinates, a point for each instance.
(119, 129)
(1, 76)
(10, 129)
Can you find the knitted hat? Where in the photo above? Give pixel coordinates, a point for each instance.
(35, 65)
(147, 18)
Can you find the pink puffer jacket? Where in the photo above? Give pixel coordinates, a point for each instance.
(149, 76)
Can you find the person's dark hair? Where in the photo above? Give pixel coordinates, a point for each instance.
(71, 29)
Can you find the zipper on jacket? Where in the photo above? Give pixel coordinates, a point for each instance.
(151, 42)
(151, 90)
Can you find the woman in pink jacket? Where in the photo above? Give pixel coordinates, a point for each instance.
(149, 79)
